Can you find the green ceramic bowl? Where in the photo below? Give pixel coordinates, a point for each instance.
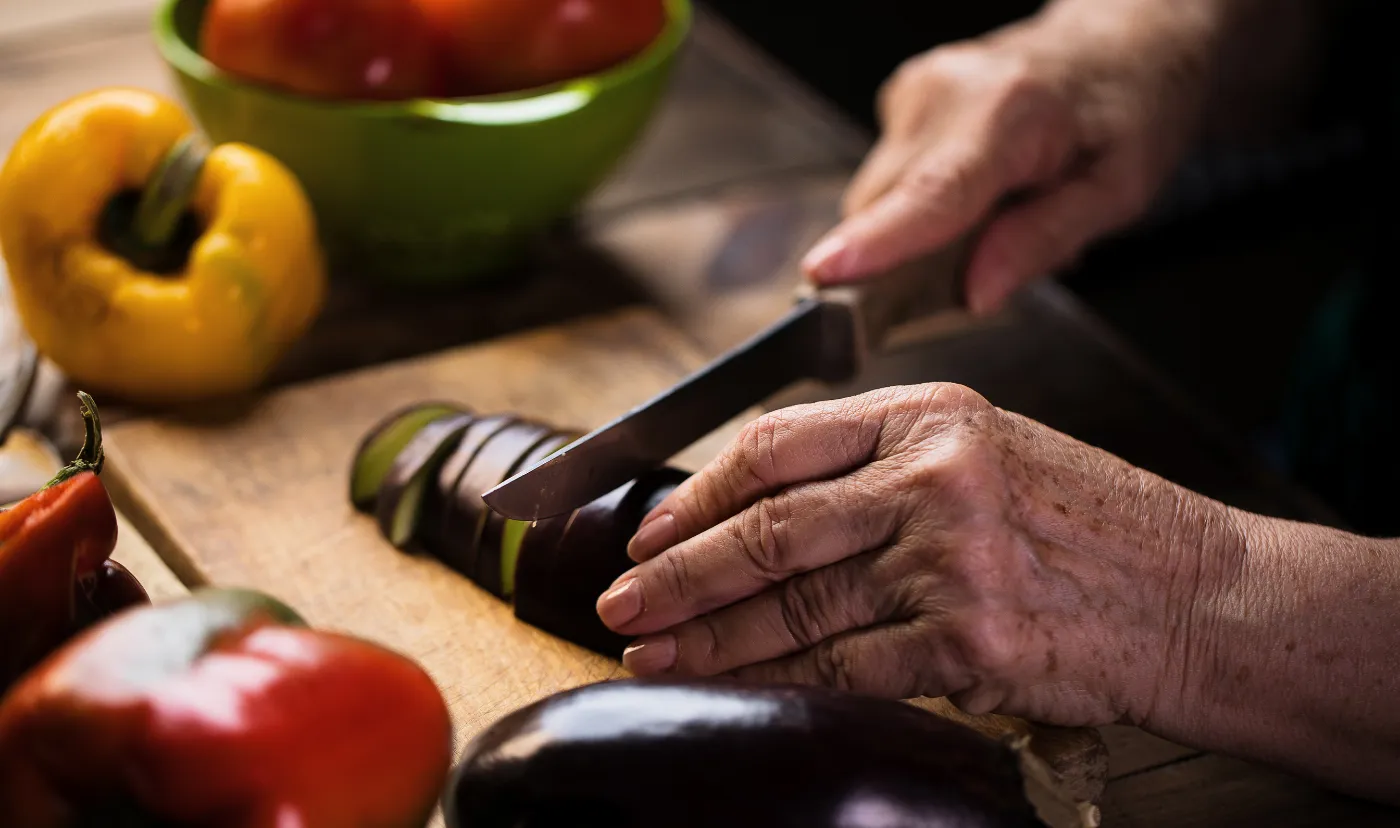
(432, 191)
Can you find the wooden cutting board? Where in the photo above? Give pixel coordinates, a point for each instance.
(258, 498)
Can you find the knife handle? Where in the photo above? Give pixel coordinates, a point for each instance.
(876, 306)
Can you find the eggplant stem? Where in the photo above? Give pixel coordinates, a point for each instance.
(90, 457)
(168, 192)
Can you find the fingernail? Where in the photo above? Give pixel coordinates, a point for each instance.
(621, 604)
(827, 259)
(651, 655)
(653, 537)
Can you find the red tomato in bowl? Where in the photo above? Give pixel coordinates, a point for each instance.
(338, 49)
(510, 45)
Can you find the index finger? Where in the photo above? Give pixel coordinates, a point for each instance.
(935, 199)
(794, 445)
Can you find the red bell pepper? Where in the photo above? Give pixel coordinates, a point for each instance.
(55, 574)
(222, 710)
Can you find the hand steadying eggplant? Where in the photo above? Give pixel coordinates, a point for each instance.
(421, 472)
(688, 754)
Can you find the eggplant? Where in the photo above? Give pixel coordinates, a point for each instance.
(552, 570)
(466, 511)
(399, 507)
(432, 534)
(494, 573)
(567, 561)
(382, 445)
(721, 754)
(111, 590)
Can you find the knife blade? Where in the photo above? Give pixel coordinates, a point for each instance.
(827, 336)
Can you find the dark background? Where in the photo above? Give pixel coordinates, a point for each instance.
(1218, 285)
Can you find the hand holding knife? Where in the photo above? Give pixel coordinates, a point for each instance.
(828, 336)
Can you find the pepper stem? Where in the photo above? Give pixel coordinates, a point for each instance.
(167, 194)
(90, 456)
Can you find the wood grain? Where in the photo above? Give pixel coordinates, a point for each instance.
(134, 553)
(27, 462)
(257, 498)
(1218, 792)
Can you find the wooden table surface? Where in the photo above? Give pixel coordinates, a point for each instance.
(741, 170)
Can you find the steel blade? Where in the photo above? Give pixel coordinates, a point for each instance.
(813, 341)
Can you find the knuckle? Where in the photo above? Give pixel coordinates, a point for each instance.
(835, 665)
(959, 61)
(944, 185)
(763, 536)
(700, 647)
(944, 400)
(676, 578)
(803, 603)
(1018, 87)
(758, 441)
(987, 644)
(867, 522)
(964, 481)
(910, 81)
(938, 409)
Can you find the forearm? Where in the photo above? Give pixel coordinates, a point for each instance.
(1294, 658)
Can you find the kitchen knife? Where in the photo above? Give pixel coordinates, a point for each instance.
(827, 336)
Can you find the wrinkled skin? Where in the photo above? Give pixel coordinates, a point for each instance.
(1046, 135)
(920, 541)
(924, 542)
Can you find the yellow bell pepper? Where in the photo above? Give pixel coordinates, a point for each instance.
(148, 265)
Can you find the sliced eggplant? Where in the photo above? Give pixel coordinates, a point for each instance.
(722, 754)
(496, 572)
(382, 445)
(566, 562)
(399, 507)
(433, 531)
(466, 511)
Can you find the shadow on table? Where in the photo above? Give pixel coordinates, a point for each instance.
(564, 276)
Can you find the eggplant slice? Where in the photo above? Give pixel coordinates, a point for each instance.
(437, 512)
(466, 511)
(553, 570)
(722, 754)
(567, 561)
(501, 573)
(399, 508)
(382, 445)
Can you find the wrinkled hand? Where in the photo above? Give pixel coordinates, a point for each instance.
(919, 541)
(1079, 114)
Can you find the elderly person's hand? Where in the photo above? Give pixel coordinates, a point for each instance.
(1052, 132)
(919, 541)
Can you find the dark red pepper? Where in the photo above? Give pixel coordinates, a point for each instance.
(55, 574)
(222, 710)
